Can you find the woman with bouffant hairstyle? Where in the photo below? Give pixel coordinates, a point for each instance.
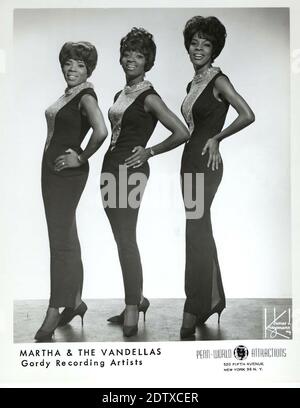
(64, 174)
(134, 115)
(141, 39)
(205, 107)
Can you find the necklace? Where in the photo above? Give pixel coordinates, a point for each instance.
(78, 88)
(137, 87)
(202, 75)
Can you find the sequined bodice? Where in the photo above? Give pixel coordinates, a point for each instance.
(205, 116)
(53, 109)
(126, 98)
(198, 84)
(67, 128)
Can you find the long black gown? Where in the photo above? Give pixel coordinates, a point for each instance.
(205, 116)
(67, 127)
(131, 126)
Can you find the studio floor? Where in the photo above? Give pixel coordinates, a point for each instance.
(242, 319)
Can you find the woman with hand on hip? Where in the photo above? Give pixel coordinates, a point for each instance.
(65, 171)
(133, 116)
(205, 107)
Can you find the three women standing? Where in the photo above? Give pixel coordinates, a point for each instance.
(134, 115)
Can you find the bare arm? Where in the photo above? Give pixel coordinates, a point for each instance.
(245, 117)
(225, 91)
(179, 133)
(90, 108)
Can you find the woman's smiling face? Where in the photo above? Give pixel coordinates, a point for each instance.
(200, 51)
(75, 72)
(133, 63)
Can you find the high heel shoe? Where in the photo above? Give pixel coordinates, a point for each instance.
(217, 309)
(43, 335)
(68, 314)
(132, 330)
(142, 307)
(129, 331)
(188, 332)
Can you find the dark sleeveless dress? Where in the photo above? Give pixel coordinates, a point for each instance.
(131, 126)
(205, 116)
(67, 127)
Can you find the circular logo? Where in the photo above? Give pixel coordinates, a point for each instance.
(241, 352)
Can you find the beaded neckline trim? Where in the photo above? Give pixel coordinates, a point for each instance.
(78, 88)
(137, 87)
(52, 111)
(198, 85)
(125, 99)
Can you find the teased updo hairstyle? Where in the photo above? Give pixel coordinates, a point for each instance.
(209, 28)
(83, 51)
(138, 39)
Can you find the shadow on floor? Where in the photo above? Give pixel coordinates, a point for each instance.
(242, 319)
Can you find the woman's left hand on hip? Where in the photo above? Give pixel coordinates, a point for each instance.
(139, 157)
(214, 159)
(65, 161)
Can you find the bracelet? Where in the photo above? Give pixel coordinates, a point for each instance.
(80, 159)
(152, 152)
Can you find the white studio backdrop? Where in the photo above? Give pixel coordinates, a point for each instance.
(251, 211)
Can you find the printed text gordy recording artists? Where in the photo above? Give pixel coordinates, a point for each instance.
(86, 357)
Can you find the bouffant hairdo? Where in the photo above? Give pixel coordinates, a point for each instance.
(138, 39)
(209, 28)
(83, 51)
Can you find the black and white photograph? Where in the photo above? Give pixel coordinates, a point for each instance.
(149, 189)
